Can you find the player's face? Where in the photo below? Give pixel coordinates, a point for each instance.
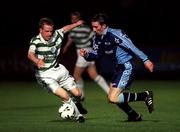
(46, 32)
(74, 18)
(98, 28)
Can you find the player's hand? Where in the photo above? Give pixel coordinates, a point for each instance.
(40, 63)
(79, 22)
(83, 52)
(149, 65)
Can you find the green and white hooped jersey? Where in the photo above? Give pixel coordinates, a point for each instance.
(82, 36)
(47, 50)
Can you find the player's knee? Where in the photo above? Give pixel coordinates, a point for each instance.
(112, 99)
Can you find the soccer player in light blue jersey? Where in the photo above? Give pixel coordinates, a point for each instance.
(116, 44)
(43, 52)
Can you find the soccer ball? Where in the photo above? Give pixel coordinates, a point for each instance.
(66, 111)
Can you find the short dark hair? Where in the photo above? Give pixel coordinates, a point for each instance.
(46, 21)
(76, 13)
(102, 18)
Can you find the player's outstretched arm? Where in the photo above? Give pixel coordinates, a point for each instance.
(149, 65)
(67, 28)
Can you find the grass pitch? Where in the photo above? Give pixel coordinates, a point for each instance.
(26, 107)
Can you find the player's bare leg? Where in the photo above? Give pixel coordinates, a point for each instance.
(79, 80)
(115, 97)
(77, 94)
(97, 78)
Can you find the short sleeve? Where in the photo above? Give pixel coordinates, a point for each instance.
(32, 48)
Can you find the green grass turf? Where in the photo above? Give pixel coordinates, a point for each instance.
(25, 106)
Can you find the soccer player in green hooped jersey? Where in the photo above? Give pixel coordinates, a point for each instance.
(43, 52)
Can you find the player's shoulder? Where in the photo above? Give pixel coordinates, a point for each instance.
(35, 39)
(59, 32)
(83, 27)
(116, 32)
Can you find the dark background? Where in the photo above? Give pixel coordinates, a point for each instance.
(153, 25)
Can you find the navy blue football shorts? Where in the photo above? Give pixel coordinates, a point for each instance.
(123, 75)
